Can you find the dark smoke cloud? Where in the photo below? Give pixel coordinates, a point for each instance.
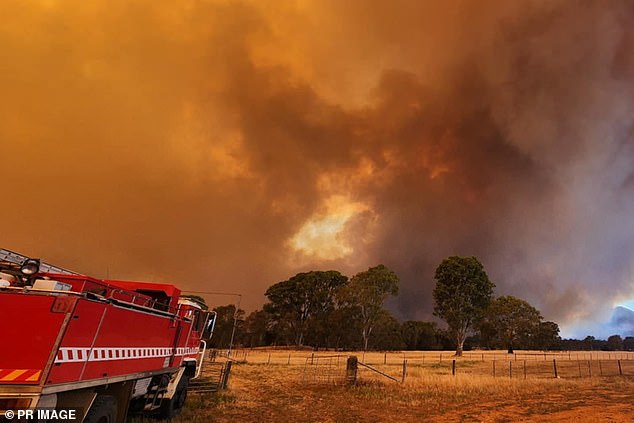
(192, 142)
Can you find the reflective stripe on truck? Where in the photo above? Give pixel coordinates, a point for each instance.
(20, 375)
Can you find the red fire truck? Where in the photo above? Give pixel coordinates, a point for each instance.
(104, 348)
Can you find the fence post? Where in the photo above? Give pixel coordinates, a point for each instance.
(555, 367)
(289, 359)
(620, 370)
(404, 370)
(453, 367)
(351, 370)
(225, 375)
(269, 360)
(384, 358)
(600, 369)
(579, 363)
(510, 369)
(494, 367)
(312, 357)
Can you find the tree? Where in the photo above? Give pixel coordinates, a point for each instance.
(227, 317)
(366, 292)
(387, 333)
(257, 329)
(344, 325)
(302, 301)
(589, 342)
(547, 337)
(463, 291)
(615, 343)
(510, 319)
(419, 335)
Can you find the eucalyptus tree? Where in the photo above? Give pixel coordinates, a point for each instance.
(463, 292)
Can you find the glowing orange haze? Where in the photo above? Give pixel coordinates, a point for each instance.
(227, 145)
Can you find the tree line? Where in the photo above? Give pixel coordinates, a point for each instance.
(326, 309)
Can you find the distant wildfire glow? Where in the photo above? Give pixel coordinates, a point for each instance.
(323, 235)
(227, 145)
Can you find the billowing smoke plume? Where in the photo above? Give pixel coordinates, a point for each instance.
(227, 145)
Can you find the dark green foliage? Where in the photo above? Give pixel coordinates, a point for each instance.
(324, 309)
(365, 293)
(509, 322)
(590, 343)
(420, 335)
(387, 333)
(344, 331)
(302, 304)
(463, 292)
(257, 330)
(615, 343)
(547, 337)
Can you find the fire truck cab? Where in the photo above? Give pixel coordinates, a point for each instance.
(105, 348)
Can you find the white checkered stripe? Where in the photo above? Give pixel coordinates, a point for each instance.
(82, 354)
(187, 350)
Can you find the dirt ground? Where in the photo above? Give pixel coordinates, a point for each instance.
(279, 393)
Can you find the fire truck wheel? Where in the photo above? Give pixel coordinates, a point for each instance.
(173, 407)
(103, 410)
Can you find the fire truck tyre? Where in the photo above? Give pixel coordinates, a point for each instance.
(173, 407)
(103, 410)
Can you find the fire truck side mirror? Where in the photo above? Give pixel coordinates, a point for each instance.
(211, 324)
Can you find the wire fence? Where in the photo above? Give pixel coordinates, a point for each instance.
(326, 367)
(297, 357)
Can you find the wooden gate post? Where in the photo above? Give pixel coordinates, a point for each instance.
(351, 370)
(225, 375)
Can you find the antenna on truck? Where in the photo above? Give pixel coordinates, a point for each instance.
(19, 259)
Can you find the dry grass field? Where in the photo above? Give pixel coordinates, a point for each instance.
(299, 386)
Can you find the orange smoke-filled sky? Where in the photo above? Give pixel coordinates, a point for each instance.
(227, 145)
